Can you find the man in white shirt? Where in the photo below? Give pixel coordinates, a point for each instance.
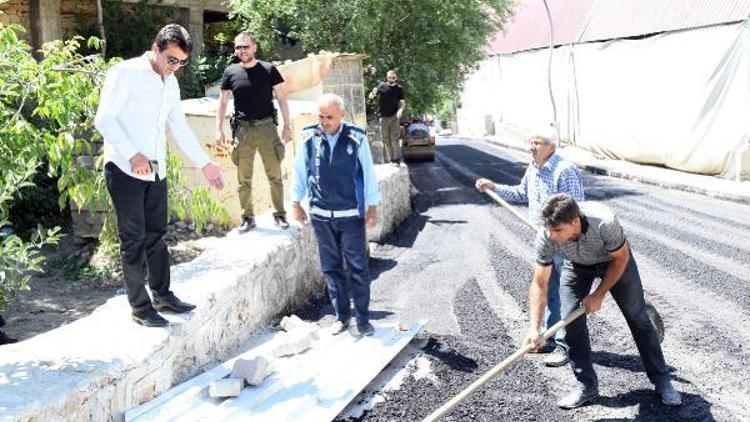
(140, 96)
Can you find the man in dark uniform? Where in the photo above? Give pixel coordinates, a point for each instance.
(391, 105)
(253, 83)
(334, 169)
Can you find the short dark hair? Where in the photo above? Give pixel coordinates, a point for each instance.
(175, 34)
(560, 208)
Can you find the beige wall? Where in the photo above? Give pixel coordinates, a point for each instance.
(203, 127)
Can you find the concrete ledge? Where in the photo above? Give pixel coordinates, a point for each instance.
(395, 203)
(99, 366)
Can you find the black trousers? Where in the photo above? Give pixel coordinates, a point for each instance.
(141, 209)
(575, 284)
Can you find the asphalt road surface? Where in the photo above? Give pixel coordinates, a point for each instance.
(464, 263)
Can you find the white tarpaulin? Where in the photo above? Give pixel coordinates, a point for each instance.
(679, 99)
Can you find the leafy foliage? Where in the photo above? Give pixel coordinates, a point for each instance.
(20, 156)
(130, 30)
(432, 43)
(130, 27)
(196, 205)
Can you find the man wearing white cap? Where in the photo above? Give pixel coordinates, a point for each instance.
(547, 174)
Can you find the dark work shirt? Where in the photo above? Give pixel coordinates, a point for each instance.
(252, 88)
(388, 98)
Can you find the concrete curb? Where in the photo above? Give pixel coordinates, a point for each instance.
(652, 175)
(99, 366)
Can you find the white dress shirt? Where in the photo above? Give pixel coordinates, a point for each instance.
(134, 108)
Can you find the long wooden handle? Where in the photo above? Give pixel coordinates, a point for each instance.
(507, 206)
(510, 360)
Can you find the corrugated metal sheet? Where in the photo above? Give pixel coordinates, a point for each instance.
(596, 20)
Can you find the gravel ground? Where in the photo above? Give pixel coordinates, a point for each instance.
(465, 264)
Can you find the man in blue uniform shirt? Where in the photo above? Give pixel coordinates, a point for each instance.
(334, 170)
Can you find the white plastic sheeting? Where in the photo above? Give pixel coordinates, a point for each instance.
(679, 99)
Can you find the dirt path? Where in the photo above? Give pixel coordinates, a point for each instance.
(68, 290)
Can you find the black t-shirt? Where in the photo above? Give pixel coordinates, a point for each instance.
(388, 98)
(252, 88)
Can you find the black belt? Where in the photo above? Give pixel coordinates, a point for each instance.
(589, 266)
(257, 122)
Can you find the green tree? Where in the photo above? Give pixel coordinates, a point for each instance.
(432, 43)
(21, 153)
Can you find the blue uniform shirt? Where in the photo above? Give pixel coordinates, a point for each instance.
(302, 169)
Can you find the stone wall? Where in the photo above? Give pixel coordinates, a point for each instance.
(395, 204)
(99, 366)
(15, 12)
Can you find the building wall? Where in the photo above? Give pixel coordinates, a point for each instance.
(677, 99)
(73, 10)
(57, 18)
(15, 12)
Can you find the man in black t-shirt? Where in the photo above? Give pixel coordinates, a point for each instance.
(390, 106)
(253, 83)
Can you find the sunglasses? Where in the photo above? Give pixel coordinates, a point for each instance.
(174, 61)
(241, 47)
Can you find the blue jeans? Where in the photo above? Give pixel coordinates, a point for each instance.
(339, 240)
(552, 312)
(575, 284)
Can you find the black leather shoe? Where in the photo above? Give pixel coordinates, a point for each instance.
(547, 347)
(281, 222)
(172, 304)
(4, 339)
(248, 223)
(149, 318)
(578, 398)
(669, 395)
(365, 329)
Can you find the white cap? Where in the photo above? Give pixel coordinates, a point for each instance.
(551, 134)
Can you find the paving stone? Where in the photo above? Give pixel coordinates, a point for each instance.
(253, 371)
(292, 343)
(294, 323)
(225, 387)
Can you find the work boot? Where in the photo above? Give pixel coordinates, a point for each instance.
(547, 347)
(281, 222)
(149, 318)
(366, 329)
(578, 398)
(558, 357)
(172, 304)
(669, 395)
(248, 223)
(4, 339)
(339, 327)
